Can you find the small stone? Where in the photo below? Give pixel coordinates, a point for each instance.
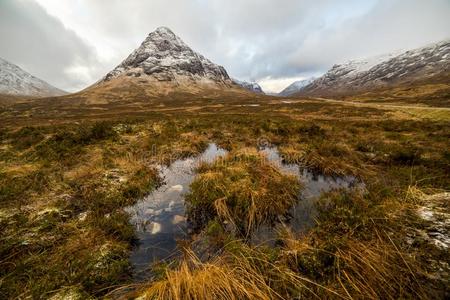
(82, 217)
(153, 227)
(177, 188)
(178, 219)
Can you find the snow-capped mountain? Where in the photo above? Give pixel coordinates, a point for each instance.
(384, 71)
(17, 82)
(295, 87)
(164, 58)
(251, 86)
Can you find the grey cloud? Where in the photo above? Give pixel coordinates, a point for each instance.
(41, 44)
(389, 26)
(253, 39)
(310, 47)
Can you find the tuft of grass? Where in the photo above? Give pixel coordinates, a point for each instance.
(243, 189)
(325, 157)
(243, 273)
(356, 269)
(213, 280)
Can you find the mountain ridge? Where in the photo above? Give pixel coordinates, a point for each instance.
(296, 86)
(15, 81)
(251, 86)
(383, 71)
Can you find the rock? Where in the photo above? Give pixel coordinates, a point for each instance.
(153, 227)
(177, 188)
(178, 219)
(82, 216)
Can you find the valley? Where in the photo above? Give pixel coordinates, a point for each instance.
(169, 179)
(73, 174)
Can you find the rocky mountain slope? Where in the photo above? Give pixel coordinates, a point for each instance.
(429, 63)
(162, 71)
(165, 62)
(17, 82)
(251, 86)
(295, 87)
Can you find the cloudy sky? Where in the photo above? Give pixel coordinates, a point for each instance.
(73, 43)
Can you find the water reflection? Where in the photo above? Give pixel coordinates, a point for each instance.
(302, 215)
(159, 218)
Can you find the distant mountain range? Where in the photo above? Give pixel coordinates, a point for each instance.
(295, 87)
(429, 63)
(17, 82)
(163, 64)
(251, 86)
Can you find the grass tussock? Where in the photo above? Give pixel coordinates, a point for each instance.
(241, 273)
(325, 157)
(217, 279)
(356, 269)
(243, 189)
(378, 270)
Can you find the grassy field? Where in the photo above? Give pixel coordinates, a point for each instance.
(424, 94)
(66, 173)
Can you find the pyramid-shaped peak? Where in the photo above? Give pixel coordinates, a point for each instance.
(163, 33)
(163, 39)
(163, 56)
(163, 30)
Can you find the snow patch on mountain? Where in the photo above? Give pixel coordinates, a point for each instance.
(383, 71)
(251, 86)
(164, 57)
(17, 82)
(365, 64)
(296, 86)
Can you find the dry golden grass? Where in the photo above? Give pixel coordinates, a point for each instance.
(420, 94)
(92, 168)
(243, 273)
(243, 189)
(216, 279)
(59, 214)
(19, 169)
(334, 159)
(376, 269)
